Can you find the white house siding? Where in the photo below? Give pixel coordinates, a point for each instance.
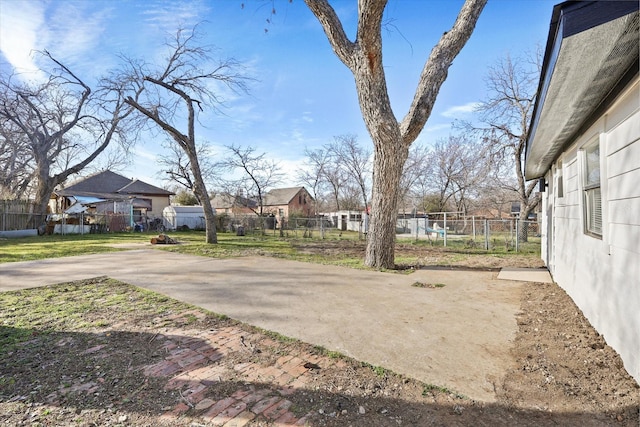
(603, 275)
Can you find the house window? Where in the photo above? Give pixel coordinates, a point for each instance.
(559, 185)
(592, 195)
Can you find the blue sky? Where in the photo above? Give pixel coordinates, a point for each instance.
(302, 95)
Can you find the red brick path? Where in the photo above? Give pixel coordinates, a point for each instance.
(190, 362)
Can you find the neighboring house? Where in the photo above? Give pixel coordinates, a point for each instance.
(109, 192)
(286, 202)
(584, 145)
(227, 204)
(279, 202)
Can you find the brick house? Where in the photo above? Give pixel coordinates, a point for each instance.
(286, 202)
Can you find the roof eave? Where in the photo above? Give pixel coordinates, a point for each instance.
(556, 119)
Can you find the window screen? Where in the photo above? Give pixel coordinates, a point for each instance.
(592, 195)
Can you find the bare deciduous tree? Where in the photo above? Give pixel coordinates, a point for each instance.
(341, 168)
(335, 179)
(391, 139)
(354, 160)
(313, 173)
(506, 113)
(173, 96)
(176, 167)
(414, 183)
(58, 126)
(15, 162)
(258, 174)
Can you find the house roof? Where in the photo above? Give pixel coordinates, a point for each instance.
(227, 201)
(282, 196)
(140, 187)
(107, 184)
(591, 54)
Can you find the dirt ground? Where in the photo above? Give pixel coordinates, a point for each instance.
(103, 370)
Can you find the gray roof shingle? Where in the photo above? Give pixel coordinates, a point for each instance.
(108, 183)
(281, 196)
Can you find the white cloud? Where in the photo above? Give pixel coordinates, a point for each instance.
(306, 117)
(460, 110)
(140, 152)
(437, 128)
(289, 169)
(20, 23)
(165, 15)
(75, 31)
(70, 31)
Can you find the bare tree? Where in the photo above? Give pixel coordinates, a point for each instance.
(313, 173)
(258, 174)
(176, 167)
(341, 169)
(350, 198)
(57, 127)
(391, 139)
(460, 169)
(335, 179)
(414, 183)
(506, 113)
(15, 162)
(185, 84)
(354, 160)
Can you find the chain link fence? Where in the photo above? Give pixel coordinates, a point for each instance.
(467, 233)
(75, 223)
(317, 227)
(473, 233)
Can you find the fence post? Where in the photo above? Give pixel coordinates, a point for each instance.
(486, 234)
(511, 231)
(445, 229)
(473, 227)
(517, 236)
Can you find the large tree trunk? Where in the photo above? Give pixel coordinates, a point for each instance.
(388, 162)
(210, 221)
(391, 139)
(44, 188)
(200, 190)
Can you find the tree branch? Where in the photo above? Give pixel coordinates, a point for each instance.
(436, 68)
(332, 26)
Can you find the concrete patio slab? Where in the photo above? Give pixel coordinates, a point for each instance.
(538, 275)
(458, 335)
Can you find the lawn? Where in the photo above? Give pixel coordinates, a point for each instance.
(337, 248)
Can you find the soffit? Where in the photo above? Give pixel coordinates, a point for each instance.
(588, 66)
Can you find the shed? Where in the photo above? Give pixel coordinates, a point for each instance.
(191, 217)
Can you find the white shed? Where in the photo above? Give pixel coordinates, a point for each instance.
(175, 217)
